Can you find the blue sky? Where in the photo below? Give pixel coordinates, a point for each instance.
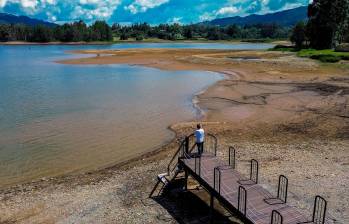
(151, 11)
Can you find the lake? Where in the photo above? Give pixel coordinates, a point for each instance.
(57, 119)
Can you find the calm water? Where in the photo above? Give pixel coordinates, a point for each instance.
(57, 119)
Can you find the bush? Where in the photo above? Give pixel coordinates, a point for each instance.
(280, 46)
(139, 38)
(283, 48)
(345, 57)
(343, 48)
(124, 36)
(327, 55)
(298, 36)
(257, 40)
(326, 58)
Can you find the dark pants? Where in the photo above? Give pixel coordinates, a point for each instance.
(200, 146)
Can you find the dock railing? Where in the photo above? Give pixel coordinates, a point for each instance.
(245, 197)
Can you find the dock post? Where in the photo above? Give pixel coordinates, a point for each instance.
(186, 180)
(187, 145)
(211, 207)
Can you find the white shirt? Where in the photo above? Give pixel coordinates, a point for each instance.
(200, 135)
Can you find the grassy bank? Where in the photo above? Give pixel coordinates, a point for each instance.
(326, 56)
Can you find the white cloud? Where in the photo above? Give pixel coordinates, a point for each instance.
(2, 3)
(265, 2)
(175, 20)
(225, 11)
(291, 6)
(230, 10)
(28, 6)
(29, 3)
(48, 2)
(178, 11)
(97, 9)
(72, 9)
(206, 17)
(143, 5)
(89, 2)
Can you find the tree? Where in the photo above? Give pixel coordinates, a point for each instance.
(139, 37)
(269, 30)
(214, 33)
(80, 31)
(4, 33)
(341, 11)
(101, 31)
(249, 32)
(298, 36)
(64, 33)
(41, 33)
(123, 36)
(234, 31)
(116, 29)
(20, 32)
(327, 19)
(188, 32)
(175, 31)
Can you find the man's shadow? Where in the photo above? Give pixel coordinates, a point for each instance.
(190, 206)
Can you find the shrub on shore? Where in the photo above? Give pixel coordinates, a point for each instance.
(283, 48)
(326, 56)
(343, 47)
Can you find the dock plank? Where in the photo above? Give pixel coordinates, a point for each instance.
(257, 210)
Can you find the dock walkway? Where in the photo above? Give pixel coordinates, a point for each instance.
(244, 196)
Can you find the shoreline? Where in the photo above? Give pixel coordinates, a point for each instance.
(150, 156)
(67, 177)
(279, 109)
(199, 114)
(23, 43)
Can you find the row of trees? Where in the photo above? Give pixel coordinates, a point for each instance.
(328, 25)
(197, 31)
(72, 32)
(101, 31)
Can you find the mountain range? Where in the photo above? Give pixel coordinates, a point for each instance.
(6, 18)
(285, 18)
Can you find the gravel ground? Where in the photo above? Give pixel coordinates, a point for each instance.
(120, 194)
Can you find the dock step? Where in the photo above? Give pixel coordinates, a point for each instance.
(162, 178)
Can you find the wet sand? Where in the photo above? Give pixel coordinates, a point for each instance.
(289, 113)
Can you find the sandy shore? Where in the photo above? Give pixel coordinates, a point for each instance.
(289, 113)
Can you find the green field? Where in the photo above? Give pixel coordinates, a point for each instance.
(327, 55)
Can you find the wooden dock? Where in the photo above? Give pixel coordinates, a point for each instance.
(242, 195)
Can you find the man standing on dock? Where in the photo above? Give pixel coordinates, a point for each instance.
(200, 137)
